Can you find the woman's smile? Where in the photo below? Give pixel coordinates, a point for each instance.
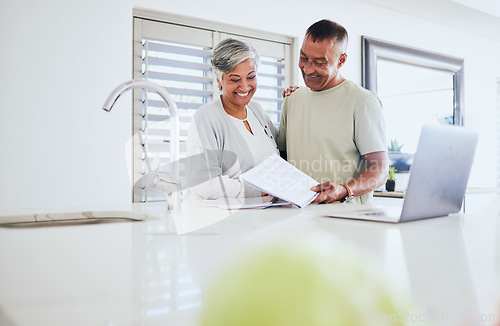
(239, 86)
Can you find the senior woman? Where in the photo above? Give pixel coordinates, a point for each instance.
(233, 133)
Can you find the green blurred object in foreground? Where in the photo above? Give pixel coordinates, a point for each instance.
(306, 281)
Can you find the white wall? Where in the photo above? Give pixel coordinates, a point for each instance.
(60, 59)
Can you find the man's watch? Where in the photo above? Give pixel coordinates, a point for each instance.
(350, 194)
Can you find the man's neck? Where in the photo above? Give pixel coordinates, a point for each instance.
(333, 83)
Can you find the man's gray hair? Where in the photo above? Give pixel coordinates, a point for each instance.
(231, 52)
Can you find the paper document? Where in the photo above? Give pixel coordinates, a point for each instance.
(245, 203)
(278, 178)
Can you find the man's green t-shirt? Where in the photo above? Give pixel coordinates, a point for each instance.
(326, 133)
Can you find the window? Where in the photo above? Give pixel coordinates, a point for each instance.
(175, 53)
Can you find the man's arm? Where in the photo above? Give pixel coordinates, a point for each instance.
(374, 176)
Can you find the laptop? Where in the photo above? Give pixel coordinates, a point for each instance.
(438, 178)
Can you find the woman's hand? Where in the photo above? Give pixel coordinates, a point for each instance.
(289, 91)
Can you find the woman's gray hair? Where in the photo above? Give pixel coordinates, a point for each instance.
(231, 52)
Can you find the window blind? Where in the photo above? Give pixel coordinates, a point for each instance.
(177, 57)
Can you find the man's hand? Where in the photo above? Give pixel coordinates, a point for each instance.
(329, 192)
(289, 91)
(374, 175)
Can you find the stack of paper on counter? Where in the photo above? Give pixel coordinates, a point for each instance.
(278, 178)
(245, 203)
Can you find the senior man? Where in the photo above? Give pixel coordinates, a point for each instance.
(333, 129)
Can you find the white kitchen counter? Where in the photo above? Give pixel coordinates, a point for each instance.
(144, 273)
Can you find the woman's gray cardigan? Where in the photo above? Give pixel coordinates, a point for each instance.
(218, 154)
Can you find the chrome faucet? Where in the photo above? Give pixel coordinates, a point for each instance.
(171, 186)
